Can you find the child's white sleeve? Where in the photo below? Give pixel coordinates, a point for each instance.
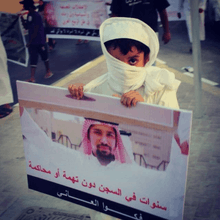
(168, 98)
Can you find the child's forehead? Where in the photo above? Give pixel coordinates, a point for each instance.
(133, 50)
(124, 28)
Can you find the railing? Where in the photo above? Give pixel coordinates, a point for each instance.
(64, 139)
(142, 162)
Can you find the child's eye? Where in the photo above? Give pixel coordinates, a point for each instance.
(132, 61)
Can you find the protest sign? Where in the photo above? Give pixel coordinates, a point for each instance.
(95, 152)
(172, 11)
(74, 18)
(13, 38)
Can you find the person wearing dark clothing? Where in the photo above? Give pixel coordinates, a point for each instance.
(146, 11)
(51, 42)
(37, 39)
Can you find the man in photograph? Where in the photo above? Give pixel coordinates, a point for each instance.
(102, 141)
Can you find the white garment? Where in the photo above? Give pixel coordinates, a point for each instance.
(185, 4)
(6, 95)
(156, 85)
(214, 10)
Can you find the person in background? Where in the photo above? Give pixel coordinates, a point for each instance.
(185, 4)
(6, 95)
(37, 39)
(51, 42)
(146, 11)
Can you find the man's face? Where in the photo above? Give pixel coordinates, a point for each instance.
(103, 140)
(132, 58)
(26, 7)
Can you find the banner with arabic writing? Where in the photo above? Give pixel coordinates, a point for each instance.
(74, 18)
(130, 163)
(13, 38)
(173, 9)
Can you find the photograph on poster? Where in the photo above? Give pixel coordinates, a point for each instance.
(67, 19)
(121, 167)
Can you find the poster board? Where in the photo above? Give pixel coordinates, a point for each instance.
(74, 19)
(148, 186)
(13, 38)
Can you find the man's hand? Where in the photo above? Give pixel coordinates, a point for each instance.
(184, 147)
(164, 20)
(76, 90)
(166, 37)
(201, 10)
(131, 98)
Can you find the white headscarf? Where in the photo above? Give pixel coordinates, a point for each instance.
(122, 77)
(120, 153)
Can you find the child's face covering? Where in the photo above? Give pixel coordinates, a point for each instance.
(133, 57)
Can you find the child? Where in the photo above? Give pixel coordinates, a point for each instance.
(37, 39)
(130, 48)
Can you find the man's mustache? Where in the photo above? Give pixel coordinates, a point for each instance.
(103, 145)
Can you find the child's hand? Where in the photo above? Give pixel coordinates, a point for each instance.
(131, 98)
(76, 90)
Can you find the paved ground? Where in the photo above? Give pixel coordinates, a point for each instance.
(203, 184)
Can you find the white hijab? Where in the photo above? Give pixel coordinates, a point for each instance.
(122, 77)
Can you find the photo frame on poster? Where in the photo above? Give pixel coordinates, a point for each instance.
(74, 19)
(144, 176)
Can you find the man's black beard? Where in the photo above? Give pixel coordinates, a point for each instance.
(104, 159)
